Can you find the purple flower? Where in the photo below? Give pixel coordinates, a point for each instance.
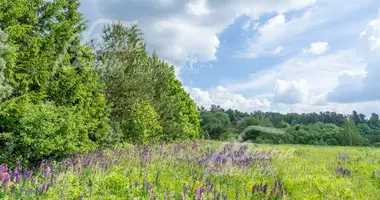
(6, 183)
(43, 165)
(47, 172)
(199, 191)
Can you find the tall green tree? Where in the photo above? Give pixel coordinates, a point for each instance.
(51, 67)
(133, 76)
(350, 135)
(5, 88)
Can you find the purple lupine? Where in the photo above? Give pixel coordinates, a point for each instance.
(3, 176)
(42, 166)
(16, 176)
(26, 175)
(47, 172)
(6, 183)
(199, 191)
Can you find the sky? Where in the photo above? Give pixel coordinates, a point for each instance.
(269, 55)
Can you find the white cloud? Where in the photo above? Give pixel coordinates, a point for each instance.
(249, 26)
(320, 72)
(282, 30)
(317, 48)
(226, 99)
(362, 87)
(291, 92)
(366, 108)
(273, 28)
(198, 7)
(278, 50)
(369, 45)
(182, 30)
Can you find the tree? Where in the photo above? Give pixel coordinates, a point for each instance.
(5, 88)
(355, 117)
(215, 123)
(141, 125)
(350, 134)
(374, 120)
(283, 125)
(50, 66)
(131, 75)
(248, 121)
(181, 118)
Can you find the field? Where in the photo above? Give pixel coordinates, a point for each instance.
(203, 170)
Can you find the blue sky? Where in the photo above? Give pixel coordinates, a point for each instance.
(270, 55)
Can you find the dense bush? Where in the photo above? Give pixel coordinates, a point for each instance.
(35, 130)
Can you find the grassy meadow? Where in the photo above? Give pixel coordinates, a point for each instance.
(203, 170)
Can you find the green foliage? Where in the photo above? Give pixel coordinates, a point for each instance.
(325, 128)
(215, 123)
(350, 135)
(54, 81)
(262, 134)
(227, 136)
(283, 125)
(132, 75)
(142, 125)
(180, 118)
(317, 134)
(36, 129)
(5, 88)
(248, 121)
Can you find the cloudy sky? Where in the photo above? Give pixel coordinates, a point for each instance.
(271, 55)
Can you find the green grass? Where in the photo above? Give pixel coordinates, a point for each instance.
(305, 172)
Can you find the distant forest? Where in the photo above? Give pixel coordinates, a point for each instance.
(324, 128)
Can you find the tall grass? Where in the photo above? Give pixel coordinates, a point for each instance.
(203, 170)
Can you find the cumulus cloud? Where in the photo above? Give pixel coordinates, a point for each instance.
(278, 50)
(250, 25)
(320, 72)
(291, 92)
(366, 108)
(358, 88)
(226, 99)
(284, 29)
(182, 30)
(198, 7)
(317, 48)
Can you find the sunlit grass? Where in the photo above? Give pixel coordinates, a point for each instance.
(212, 170)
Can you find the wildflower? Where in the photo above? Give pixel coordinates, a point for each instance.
(6, 183)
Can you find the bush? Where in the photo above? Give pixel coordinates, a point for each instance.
(37, 130)
(227, 135)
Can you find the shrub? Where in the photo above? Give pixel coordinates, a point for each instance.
(227, 135)
(36, 130)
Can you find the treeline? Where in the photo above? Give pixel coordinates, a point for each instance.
(59, 95)
(324, 128)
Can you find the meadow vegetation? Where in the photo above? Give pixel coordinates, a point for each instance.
(84, 118)
(205, 170)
